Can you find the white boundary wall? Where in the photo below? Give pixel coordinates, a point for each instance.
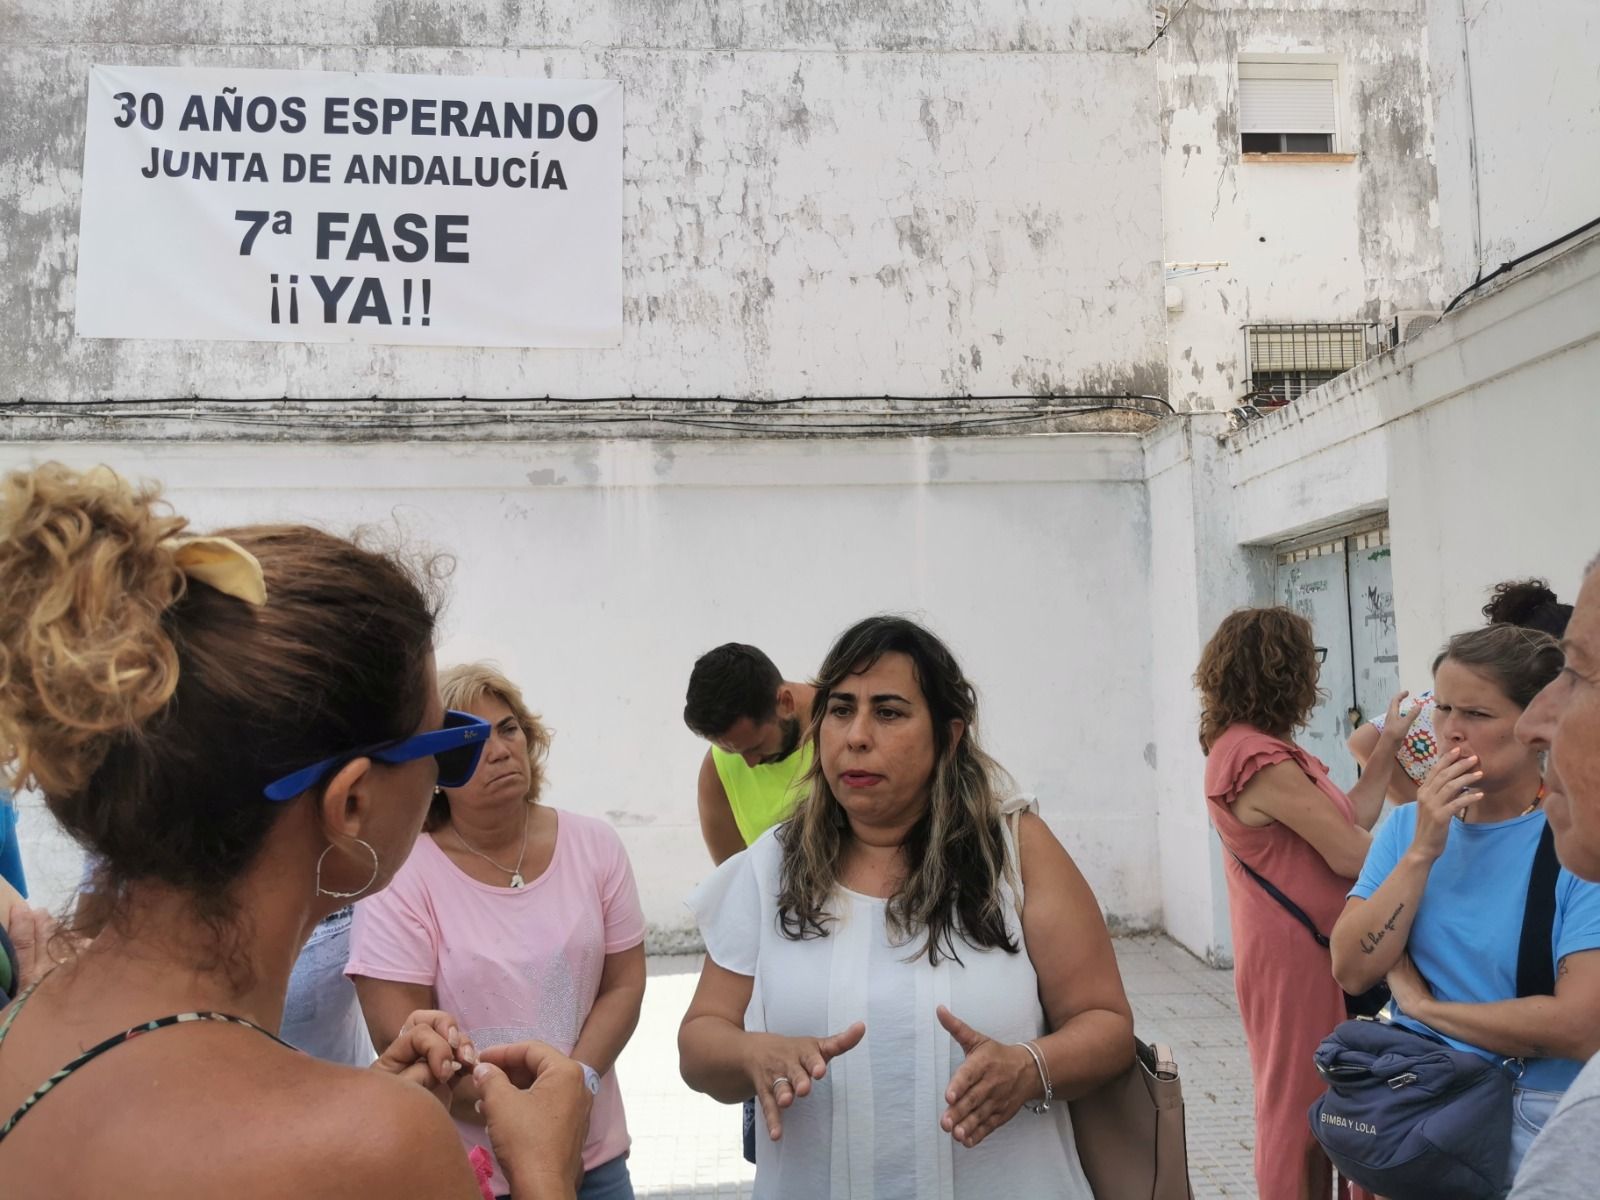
(1478, 439)
(595, 573)
(1077, 575)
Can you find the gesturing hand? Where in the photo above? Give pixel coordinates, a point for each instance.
(536, 1105)
(987, 1090)
(430, 1051)
(781, 1069)
(1444, 793)
(1396, 724)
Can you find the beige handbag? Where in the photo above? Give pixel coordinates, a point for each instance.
(1130, 1133)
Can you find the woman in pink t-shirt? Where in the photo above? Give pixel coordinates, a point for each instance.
(1281, 817)
(522, 920)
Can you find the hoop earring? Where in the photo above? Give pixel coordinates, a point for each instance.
(346, 895)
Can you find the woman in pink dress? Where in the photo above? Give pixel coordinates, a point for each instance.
(1281, 817)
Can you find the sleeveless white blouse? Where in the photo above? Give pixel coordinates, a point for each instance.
(870, 1129)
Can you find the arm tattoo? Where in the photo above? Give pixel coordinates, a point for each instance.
(1561, 968)
(1369, 941)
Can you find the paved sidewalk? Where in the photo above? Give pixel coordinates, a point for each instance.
(686, 1146)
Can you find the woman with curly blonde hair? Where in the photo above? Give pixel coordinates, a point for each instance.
(1288, 828)
(521, 919)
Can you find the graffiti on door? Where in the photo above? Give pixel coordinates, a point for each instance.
(1345, 588)
(1380, 610)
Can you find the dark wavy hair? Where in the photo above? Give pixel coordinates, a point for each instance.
(1260, 669)
(955, 855)
(1530, 604)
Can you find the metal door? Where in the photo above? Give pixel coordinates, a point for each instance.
(1344, 587)
(1375, 650)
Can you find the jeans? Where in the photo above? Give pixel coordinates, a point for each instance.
(1530, 1109)
(608, 1181)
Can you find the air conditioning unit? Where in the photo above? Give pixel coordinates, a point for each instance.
(1408, 322)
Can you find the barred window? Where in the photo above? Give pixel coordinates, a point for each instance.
(1287, 361)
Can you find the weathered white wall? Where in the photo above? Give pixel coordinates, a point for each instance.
(859, 198)
(1477, 439)
(595, 573)
(1499, 481)
(1198, 573)
(1517, 97)
(1300, 241)
(820, 199)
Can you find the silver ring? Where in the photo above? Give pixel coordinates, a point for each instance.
(782, 1079)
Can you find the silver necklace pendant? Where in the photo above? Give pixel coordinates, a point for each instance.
(516, 879)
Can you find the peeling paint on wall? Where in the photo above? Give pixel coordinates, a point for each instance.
(1296, 242)
(822, 198)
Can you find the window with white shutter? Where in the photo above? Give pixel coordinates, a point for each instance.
(1288, 107)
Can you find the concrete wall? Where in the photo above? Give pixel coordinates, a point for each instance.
(1517, 96)
(1298, 241)
(820, 199)
(1198, 573)
(596, 573)
(1477, 440)
(1498, 479)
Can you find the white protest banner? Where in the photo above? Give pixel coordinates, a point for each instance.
(325, 206)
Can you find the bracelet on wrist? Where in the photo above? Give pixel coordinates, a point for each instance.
(1039, 1106)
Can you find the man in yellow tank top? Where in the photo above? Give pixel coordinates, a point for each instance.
(756, 722)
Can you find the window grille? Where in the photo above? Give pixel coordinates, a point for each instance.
(1287, 361)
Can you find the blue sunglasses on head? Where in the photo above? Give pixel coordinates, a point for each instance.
(458, 747)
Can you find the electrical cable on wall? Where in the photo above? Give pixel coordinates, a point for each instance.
(1519, 260)
(1165, 25)
(756, 401)
(799, 415)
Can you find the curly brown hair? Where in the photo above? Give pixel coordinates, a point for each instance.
(1260, 669)
(152, 709)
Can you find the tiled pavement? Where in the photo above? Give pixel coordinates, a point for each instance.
(686, 1146)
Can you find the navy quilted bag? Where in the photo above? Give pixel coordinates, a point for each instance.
(1412, 1118)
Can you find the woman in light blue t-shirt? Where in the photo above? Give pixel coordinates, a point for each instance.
(1439, 905)
(1526, 602)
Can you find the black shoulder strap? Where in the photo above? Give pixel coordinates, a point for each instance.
(1536, 968)
(1536, 971)
(1288, 905)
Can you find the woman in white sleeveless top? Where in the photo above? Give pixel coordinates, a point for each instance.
(909, 976)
